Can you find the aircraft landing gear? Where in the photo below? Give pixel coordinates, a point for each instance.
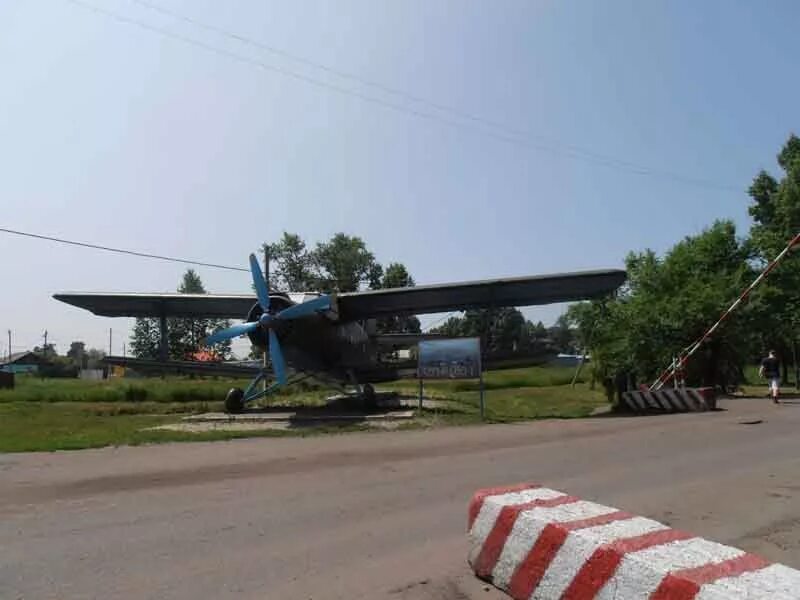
(234, 401)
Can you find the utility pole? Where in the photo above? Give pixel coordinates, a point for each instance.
(109, 340)
(266, 265)
(9, 345)
(266, 279)
(44, 348)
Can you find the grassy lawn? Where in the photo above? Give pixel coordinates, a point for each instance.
(755, 386)
(531, 377)
(170, 389)
(512, 395)
(73, 414)
(75, 425)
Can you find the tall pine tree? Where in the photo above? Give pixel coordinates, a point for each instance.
(184, 335)
(145, 338)
(396, 276)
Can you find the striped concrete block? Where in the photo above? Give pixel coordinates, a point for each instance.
(536, 543)
(671, 400)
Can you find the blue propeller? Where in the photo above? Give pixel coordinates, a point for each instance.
(258, 282)
(266, 320)
(231, 332)
(276, 356)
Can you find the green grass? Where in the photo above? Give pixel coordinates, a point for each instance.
(27, 426)
(34, 389)
(72, 414)
(531, 377)
(516, 404)
(753, 385)
(30, 388)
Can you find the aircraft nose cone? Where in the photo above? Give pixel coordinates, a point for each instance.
(265, 319)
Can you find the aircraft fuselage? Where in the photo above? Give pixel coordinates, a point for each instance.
(320, 345)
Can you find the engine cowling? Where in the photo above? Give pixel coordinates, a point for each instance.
(277, 302)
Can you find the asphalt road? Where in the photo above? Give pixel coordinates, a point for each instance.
(378, 515)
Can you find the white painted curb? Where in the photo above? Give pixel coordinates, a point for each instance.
(536, 543)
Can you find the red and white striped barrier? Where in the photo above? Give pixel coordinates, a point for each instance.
(680, 363)
(536, 543)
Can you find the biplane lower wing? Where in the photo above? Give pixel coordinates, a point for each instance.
(185, 367)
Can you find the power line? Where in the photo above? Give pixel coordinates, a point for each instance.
(332, 70)
(433, 324)
(146, 255)
(580, 152)
(121, 250)
(497, 130)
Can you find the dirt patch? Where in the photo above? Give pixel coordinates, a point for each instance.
(284, 422)
(232, 426)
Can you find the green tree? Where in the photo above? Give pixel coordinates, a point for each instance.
(294, 264)
(668, 303)
(341, 264)
(145, 337)
(510, 331)
(47, 351)
(536, 332)
(77, 354)
(501, 330)
(452, 327)
(395, 276)
(344, 264)
(775, 209)
(184, 336)
(562, 336)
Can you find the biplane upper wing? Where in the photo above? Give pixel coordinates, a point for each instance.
(356, 306)
(229, 306)
(488, 293)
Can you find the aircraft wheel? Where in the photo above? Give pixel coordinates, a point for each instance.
(234, 401)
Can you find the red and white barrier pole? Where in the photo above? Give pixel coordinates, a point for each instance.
(684, 358)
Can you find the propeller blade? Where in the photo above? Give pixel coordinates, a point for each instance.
(276, 357)
(258, 281)
(231, 332)
(306, 309)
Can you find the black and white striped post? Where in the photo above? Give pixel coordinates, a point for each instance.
(667, 400)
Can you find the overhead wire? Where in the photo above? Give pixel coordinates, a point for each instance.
(495, 129)
(121, 250)
(133, 252)
(610, 161)
(438, 321)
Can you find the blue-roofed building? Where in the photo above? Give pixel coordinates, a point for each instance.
(23, 362)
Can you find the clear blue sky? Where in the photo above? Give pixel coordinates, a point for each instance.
(113, 134)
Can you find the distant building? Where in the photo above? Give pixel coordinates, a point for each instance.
(92, 374)
(23, 362)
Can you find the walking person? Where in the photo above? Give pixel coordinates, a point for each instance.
(771, 371)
